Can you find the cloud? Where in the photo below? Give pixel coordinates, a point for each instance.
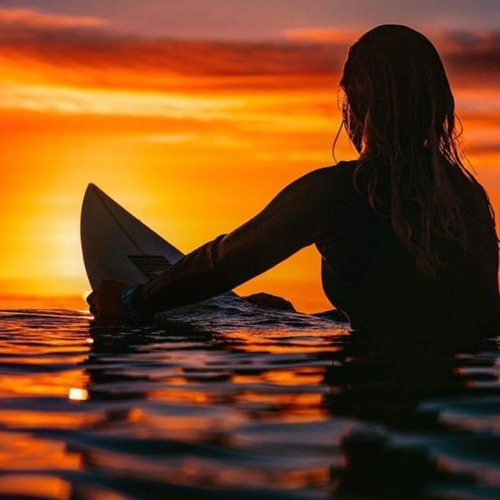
(87, 52)
(488, 149)
(72, 68)
(30, 18)
(175, 57)
(472, 57)
(459, 41)
(344, 37)
(97, 56)
(102, 102)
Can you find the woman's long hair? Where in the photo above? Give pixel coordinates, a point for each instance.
(399, 112)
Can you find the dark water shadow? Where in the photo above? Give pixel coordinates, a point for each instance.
(384, 378)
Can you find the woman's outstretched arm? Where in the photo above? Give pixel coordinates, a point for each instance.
(290, 222)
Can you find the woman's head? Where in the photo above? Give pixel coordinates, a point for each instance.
(397, 95)
(398, 110)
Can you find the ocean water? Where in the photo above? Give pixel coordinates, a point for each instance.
(236, 402)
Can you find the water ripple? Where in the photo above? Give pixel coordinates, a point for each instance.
(239, 403)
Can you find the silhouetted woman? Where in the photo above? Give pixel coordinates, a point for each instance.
(406, 233)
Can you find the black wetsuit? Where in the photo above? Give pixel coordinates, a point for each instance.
(366, 271)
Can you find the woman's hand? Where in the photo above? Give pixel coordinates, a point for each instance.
(105, 302)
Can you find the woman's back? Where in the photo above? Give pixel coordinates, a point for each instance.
(370, 274)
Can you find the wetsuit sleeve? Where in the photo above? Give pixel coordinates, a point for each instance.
(289, 223)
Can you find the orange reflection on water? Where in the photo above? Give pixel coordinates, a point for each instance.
(45, 384)
(306, 376)
(210, 472)
(294, 342)
(289, 400)
(284, 349)
(194, 424)
(32, 418)
(23, 451)
(34, 486)
(182, 394)
(202, 472)
(291, 406)
(43, 359)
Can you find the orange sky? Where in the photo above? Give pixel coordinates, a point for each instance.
(192, 137)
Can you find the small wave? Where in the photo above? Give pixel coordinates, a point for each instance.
(229, 313)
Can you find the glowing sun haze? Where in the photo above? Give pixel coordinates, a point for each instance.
(193, 134)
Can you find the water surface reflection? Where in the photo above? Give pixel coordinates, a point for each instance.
(289, 407)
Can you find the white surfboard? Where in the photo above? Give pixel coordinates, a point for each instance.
(118, 246)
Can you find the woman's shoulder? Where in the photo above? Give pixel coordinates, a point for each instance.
(333, 177)
(323, 189)
(339, 169)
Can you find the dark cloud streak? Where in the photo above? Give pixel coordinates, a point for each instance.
(97, 56)
(472, 58)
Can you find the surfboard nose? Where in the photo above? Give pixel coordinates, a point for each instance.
(91, 187)
(94, 193)
(118, 246)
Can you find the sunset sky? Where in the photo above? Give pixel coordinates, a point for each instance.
(193, 114)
